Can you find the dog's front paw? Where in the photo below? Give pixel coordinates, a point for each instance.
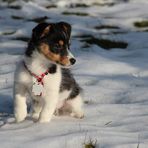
(35, 116)
(20, 117)
(44, 120)
(79, 115)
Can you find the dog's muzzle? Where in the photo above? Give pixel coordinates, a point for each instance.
(72, 61)
(71, 58)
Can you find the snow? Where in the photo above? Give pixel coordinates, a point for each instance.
(114, 81)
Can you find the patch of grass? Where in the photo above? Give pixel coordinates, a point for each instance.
(75, 13)
(106, 4)
(138, 145)
(79, 5)
(90, 144)
(15, 7)
(104, 43)
(141, 24)
(108, 123)
(9, 1)
(106, 27)
(22, 38)
(118, 32)
(85, 46)
(17, 17)
(39, 19)
(83, 36)
(51, 6)
(88, 102)
(8, 32)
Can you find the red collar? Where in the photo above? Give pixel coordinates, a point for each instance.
(38, 77)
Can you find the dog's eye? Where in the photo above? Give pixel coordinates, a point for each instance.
(57, 46)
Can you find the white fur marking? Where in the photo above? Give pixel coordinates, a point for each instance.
(76, 105)
(63, 96)
(20, 109)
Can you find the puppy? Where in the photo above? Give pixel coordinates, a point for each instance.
(44, 75)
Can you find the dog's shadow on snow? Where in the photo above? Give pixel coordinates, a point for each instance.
(6, 106)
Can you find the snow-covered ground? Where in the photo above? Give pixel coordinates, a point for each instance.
(115, 81)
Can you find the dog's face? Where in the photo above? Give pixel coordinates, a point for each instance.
(53, 41)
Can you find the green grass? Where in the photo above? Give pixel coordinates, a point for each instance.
(39, 19)
(8, 32)
(118, 32)
(106, 4)
(113, 29)
(108, 123)
(17, 17)
(51, 6)
(88, 102)
(104, 43)
(83, 36)
(141, 24)
(85, 46)
(22, 38)
(90, 144)
(17, 7)
(9, 1)
(75, 13)
(106, 27)
(77, 5)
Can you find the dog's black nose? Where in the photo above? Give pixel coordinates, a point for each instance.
(72, 61)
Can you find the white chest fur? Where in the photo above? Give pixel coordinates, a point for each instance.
(38, 64)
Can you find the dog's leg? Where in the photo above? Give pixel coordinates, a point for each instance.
(20, 107)
(37, 107)
(49, 106)
(76, 105)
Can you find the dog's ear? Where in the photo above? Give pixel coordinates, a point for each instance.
(66, 27)
(40, 31)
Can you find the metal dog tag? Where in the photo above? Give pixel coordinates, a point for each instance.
(37, 88)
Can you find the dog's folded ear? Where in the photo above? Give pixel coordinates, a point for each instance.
(43, 29)
(66, 27)
(40, 31)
